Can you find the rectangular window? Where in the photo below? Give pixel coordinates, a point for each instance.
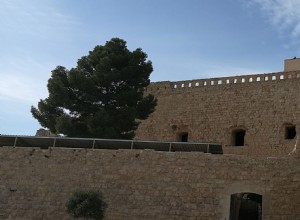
(290, 132)
(184, 137)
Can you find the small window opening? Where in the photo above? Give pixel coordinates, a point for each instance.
(290, 132)
(238, 137)
(184, 137)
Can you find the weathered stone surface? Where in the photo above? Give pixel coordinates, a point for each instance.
(209, 110)
(152, 185)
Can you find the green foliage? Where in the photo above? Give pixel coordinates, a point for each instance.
(102, 97)
(86, 204)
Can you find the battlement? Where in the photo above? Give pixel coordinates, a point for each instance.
(255, 78)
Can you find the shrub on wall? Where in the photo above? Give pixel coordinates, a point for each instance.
(86, 204)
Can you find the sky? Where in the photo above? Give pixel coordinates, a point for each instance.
(184, 39)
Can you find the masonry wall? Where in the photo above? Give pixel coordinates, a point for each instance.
(35, 183)
(209, 110)
(292, 64)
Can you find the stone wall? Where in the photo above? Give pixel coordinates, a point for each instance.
(36, 183)
(210, 110)
(292, 64)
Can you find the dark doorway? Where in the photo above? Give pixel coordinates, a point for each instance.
(238, 137)
(246, 206)
(184, 137)
(290, 132)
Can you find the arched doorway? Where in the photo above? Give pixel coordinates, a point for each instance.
(246, 206)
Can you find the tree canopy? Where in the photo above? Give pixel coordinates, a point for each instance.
(103, 96)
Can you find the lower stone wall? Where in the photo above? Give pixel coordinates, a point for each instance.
(36, 183)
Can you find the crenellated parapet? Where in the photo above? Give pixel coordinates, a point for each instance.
(255, 78)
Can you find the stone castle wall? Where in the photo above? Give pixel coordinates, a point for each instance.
(292, 64)
(210, 110)
(35, 184)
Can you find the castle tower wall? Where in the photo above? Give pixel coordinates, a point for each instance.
(292, 64)
(265, 107)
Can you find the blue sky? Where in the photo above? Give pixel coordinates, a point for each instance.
(185, 39)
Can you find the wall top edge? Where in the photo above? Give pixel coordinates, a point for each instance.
(228, 77)
(252, 78)
(295, 58)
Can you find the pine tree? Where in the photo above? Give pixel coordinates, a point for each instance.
(102, 97)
